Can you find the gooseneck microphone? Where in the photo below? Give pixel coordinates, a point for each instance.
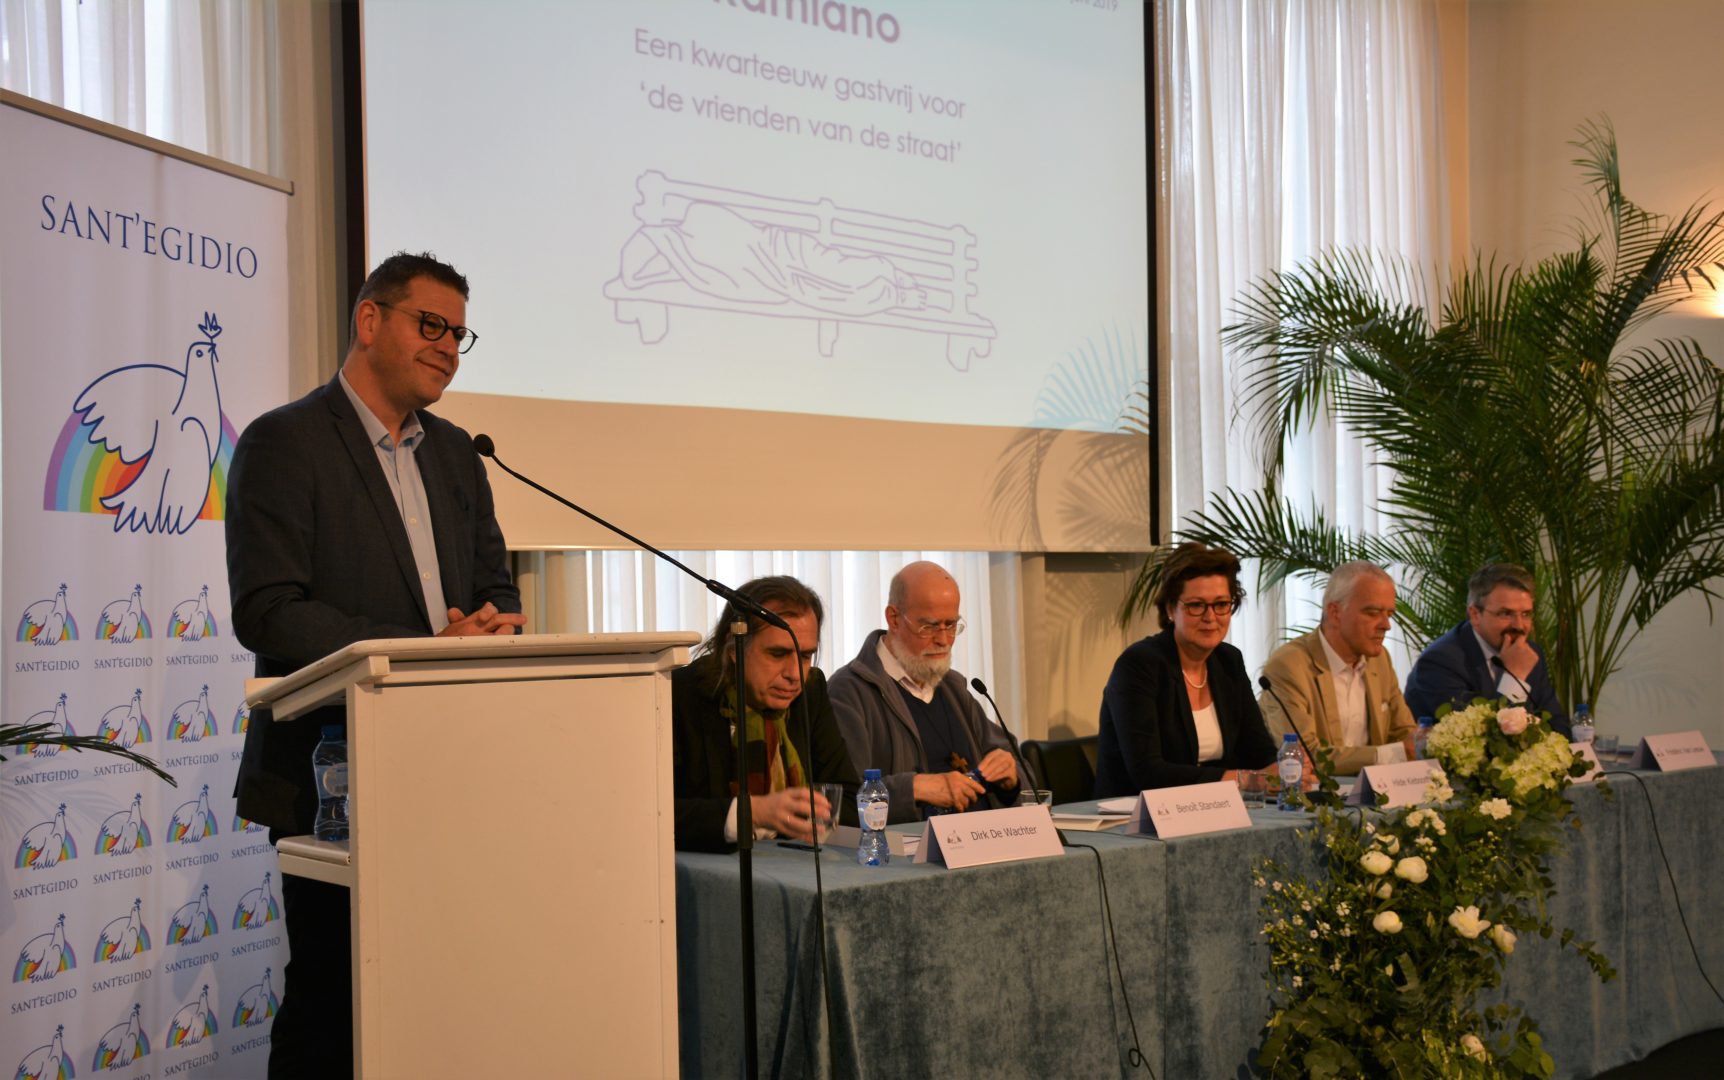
(488, 449)
(1263, 681)
(1501, 669)
(981, 688)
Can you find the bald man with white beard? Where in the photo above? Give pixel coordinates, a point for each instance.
(904, 711)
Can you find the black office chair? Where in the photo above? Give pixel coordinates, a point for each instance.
(1064, 766)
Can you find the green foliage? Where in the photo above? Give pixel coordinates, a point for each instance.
(49, 735)
(1517, 425)
(1377, 957)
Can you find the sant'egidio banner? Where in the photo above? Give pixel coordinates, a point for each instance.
(142, 325)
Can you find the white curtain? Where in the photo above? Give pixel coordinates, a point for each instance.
(197, 73)
(619, 591)
(1286, 128)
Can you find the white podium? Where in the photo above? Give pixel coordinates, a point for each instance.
(512, 858)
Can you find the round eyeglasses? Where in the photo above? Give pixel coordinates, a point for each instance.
(433, 326)
(926, 628)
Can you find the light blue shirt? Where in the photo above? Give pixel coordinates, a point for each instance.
(401, 470)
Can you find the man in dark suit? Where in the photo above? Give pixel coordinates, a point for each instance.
(353, 514)
(777, 671)
(1490, 655)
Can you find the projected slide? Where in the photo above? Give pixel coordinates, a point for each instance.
(913, 210)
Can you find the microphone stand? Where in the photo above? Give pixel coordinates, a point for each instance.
(981, 688)
(744, 808)
(1263, 681)
(745, 860)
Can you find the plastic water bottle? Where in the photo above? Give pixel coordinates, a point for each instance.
(1581, 728)
(872, 806)
(329, 768)
(1291, 765)
(1422, 737)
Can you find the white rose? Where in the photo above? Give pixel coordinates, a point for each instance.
(1512, 720)
(1467, 923)
(1471, 1044)
(1497, 808)
(1376, 863)
(1391, 844)
(1386, 922)
(1385, 890)
(1504, 938)
(1412, 868)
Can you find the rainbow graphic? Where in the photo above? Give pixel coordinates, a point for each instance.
(105, 630)
(41, 615)
(45, 956)
(190, 1033)
(241, 718)
(111, 950)
(124, 831)
(193, 922)
(244, 825)
(193, 1024)
(115, 721)
(246, 917)
(178, 628)
(256, 1005)
(81, 474)
(49, 850)
(183, 730)
(113, 1053)
(43, 750)
(47, 1062)
(181, 831)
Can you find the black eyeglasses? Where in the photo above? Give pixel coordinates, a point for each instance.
(432, 327)
(1196, 608)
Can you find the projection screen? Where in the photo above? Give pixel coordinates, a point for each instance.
(783, 274)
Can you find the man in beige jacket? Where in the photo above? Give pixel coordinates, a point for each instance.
(1337, 682)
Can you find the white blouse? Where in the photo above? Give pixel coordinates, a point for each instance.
(1208, 733)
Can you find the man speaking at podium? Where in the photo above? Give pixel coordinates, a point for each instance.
(353, 514)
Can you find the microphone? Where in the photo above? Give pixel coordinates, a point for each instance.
(488, 449)
(981, 688)
(1263, 681)
(1502, 669)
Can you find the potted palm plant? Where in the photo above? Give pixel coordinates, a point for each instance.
(1518, 424)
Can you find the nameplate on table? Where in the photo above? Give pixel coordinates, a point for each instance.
(981, 837)
(1584, 750)
(1673, 752)
(1403, 783)
(1188, 811)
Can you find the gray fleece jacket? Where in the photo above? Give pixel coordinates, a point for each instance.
(881, 734)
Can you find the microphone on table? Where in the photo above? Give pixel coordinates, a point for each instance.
(1263, 681)
(488, 449)
(981, 688)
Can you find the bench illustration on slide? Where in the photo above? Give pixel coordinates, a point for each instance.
(722, 249)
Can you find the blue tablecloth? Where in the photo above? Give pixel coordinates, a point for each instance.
(1005, 970)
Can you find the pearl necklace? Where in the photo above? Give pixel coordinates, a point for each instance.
(1196, 685)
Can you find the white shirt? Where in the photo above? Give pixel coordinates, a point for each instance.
(1208, 733)
(1349, 683)
(1507, 685)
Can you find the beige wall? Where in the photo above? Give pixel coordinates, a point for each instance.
(1537, 69)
